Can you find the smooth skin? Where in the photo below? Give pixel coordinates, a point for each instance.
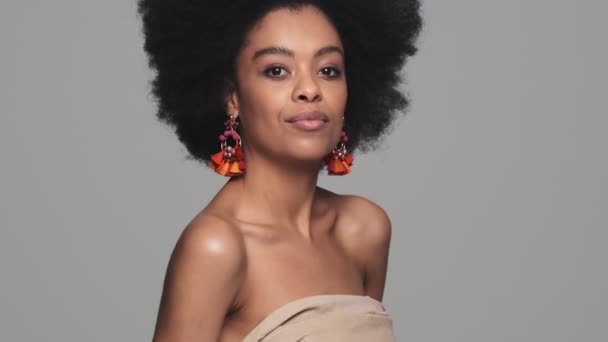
(272, 236)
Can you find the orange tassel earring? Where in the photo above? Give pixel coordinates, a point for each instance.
(339, 160)
(229, 161)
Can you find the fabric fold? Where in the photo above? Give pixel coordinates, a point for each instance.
(325, 318)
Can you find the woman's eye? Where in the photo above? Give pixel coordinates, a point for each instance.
(275, 71)
(330, 72)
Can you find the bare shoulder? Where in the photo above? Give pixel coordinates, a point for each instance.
(364, 220)
(208, 241)
(364, 230)
(203, 278)
(209, 238)
(211, 235)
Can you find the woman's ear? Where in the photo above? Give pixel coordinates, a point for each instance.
(231, 100)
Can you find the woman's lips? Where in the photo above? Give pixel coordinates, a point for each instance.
(308, 125)
(309, 121)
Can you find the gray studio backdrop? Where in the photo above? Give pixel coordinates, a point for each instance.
(495, 180)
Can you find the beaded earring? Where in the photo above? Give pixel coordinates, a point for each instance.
(339, 160)
(229, 161)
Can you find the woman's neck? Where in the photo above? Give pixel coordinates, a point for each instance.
(277, 194)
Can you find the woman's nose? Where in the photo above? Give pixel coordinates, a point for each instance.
(307, 89)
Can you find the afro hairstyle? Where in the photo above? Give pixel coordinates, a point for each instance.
(192, 45)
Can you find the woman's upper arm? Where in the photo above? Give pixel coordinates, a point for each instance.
(367, 237)
(375, 251)
(203, 277)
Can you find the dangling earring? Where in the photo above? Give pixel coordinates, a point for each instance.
(339, 160)
(230, 160)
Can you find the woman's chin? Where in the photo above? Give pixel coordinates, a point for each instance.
(309, 155)
(310, 148)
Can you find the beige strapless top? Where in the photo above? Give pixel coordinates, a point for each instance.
(326, 318)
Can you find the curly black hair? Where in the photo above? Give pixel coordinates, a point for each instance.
(192, 46)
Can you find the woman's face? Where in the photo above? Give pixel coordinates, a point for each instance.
(291, 90)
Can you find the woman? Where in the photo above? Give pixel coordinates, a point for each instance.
(289, 87)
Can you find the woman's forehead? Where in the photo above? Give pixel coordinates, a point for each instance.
(301, 31)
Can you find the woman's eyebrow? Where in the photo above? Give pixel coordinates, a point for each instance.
(329, 49)
(273, 50)
(279, 50)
